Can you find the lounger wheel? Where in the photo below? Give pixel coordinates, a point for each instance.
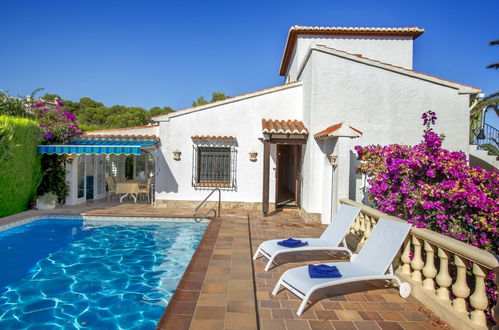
(405, 290)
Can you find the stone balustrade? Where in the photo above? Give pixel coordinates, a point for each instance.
(447, 275)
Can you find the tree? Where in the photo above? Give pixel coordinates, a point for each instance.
(199, 101)
(216, 96)
(219, 96)
(156, 111)
(493, 65)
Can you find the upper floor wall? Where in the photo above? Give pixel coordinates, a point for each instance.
(389, 45)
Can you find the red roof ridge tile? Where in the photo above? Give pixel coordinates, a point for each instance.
(333, 128)
(395, 66)
(212, 137)
(283, 126)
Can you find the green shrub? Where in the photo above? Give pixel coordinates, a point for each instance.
(20, 169)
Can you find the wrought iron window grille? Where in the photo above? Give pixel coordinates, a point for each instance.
(214, 167)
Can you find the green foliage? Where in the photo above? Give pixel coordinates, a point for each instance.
(219, 96)
(216, 96)
(199, 101)
(493, 65)
(12, 106)
(54, 178)
(157, 111)
(20, 170)
(96, 116)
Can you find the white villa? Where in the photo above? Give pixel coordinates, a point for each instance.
(291, 144)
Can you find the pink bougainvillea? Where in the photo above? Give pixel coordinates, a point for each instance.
(434, 188)
(57, 124)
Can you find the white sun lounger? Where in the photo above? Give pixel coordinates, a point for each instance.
(330, 240)
(372, 263)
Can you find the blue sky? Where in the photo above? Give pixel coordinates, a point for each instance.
(165, 53)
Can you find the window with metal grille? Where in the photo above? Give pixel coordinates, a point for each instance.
(214, 167)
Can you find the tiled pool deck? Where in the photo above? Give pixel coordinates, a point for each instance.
(223, 289)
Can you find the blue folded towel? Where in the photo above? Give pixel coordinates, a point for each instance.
(323, 271)
(291, 243)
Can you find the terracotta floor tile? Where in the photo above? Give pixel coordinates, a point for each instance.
(214, 288)
(212, 299)
(240, 320)
(320, 324)
(392, 316)
(413, 316)
(367, 325)
(297, 325)
(206, 325)
(326, 315)
(344, 325)
(282, 314)
(413, 326)
(348, 315)
(209, 313)
(351, 305)
(271, 324)
(270, 303)
(241, 306)
(390, 325)
(368, 316)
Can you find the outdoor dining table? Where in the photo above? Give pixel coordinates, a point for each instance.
(127, 188)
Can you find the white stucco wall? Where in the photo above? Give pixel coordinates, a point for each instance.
(386, 106)
(394, 50)
(241, 119)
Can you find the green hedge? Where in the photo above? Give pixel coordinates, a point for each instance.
(20, 168)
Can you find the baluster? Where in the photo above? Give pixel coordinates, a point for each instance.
(460, 287)
(429, 270)
(479, 299)
(443, 278)
(367, 228)
(362, 228)
(405, 258)
(417, 261)
(356, 225)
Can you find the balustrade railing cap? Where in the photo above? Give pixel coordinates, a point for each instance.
(452, 245)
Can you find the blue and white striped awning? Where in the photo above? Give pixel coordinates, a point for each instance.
(89, 149)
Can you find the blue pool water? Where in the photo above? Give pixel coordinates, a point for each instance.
(70, 274)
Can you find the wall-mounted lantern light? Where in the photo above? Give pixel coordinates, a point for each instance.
(253, 155)
(333, 160)
(177, 154)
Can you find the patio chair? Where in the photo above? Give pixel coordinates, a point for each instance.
(374, 262)
(111, 187)
(144, 189)
(330, 240)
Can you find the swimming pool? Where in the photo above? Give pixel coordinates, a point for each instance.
(73, 274)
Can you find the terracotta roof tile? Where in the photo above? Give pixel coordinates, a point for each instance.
(335, 128)
(283, 127)
(212, 137)
(296, 30)
(395, 66)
